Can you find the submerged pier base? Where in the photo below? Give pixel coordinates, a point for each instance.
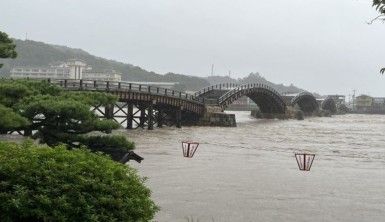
(257, 114)
(214, 116)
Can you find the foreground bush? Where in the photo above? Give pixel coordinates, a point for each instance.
(56, 116)
(115, 146)
(38, 183)
(10, 120)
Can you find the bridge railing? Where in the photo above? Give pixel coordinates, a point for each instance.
(98, 85)
(221, 86)
(244, 87)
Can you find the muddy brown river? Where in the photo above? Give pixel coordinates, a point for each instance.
(249, 173)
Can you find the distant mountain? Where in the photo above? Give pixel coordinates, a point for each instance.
(33, 53)
(213, 80)
(254, 78)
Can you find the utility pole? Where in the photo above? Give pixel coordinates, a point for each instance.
(212, 69)
(349, 99)
(354, 98)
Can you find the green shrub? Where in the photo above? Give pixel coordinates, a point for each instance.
(38, 183)
(62, 120)
(12, 91)
(57, 116)
(9, 120)
(115, 146)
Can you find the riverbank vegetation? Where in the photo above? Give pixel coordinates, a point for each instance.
(7, 47)
(54, 116)
(65, 123)
(76, 174)
(64, 179)
(40, 183)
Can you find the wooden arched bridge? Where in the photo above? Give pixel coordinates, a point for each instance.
(148, 106)
(268, 99)
(306, 101)
(144, 105)
(329, 104)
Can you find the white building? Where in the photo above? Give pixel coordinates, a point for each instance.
(40, 72)
(76, 67)
(72, 69)
(107, 75)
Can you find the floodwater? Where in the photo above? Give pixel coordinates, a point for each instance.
(249, 173)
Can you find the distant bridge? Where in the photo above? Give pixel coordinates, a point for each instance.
(267, 99)
(329, 104)
(304, 100)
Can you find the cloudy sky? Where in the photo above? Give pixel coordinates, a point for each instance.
(324, 46)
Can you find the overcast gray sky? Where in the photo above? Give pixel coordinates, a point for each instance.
(323, 46)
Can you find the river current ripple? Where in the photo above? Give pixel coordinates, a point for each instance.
(249, 173)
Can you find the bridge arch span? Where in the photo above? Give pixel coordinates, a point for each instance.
(306, 102)
(267, 98)
(211, 93)
(223, 87)
(329, 104)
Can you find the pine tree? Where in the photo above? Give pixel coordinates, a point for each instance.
(7, 47)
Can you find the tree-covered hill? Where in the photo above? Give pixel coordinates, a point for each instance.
(253, 78)
(35, 53)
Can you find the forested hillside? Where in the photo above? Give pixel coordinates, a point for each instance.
(253, 78)
(33, 53)
(41, 54)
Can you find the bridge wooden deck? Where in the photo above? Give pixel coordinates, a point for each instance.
(141, 105)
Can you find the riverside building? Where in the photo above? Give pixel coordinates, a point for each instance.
(368, 104)
(72, 69)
